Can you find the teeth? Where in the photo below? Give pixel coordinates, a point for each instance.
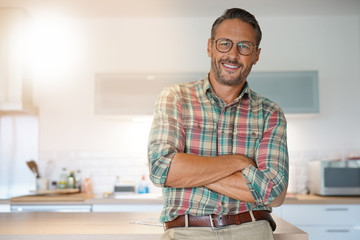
(230, 66)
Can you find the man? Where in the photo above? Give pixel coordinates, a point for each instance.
(217, 148)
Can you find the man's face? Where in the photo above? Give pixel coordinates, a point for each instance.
(232, 68)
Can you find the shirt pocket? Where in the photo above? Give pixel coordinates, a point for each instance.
(246, 141)
(200, 137)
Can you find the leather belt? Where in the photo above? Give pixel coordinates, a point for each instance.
(220, 221)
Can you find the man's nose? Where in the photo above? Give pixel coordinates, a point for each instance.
(234, 52)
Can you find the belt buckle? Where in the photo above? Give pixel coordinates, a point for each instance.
(213, 226)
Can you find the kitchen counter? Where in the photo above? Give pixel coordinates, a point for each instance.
(157, 199)
(45, 225)
(315, 199)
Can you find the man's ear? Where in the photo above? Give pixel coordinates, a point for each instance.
(257, 56)
(209, 47)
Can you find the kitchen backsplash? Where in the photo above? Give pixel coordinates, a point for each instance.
(104, 167)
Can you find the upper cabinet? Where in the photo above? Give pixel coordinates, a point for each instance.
(296, 92)
(15, 81)
(134, 94)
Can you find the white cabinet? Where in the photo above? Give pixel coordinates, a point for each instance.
(134, 94)
(4, 208)
(51, 208)
(15, 82)
(127, 207)
(329, 221)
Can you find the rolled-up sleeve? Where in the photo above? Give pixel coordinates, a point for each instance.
(166, 136)
(270, 178)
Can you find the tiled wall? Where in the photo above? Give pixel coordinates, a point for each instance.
(102, 167)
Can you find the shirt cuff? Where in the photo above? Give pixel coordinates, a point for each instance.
(260, 186)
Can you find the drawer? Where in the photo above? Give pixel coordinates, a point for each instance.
(4, 208)
(127, 207)
(315, 214)
(331, 233)
(51, 208)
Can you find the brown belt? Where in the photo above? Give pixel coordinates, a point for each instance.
(220, 221)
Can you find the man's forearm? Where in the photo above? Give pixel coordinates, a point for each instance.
(187, 170)
(233, 186)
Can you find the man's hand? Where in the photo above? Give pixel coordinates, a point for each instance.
(233, 186)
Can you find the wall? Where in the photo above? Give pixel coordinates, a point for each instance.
(72, 136)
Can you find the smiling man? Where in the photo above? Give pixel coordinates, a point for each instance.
(218, 149)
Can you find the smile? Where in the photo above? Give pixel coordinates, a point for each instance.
(230, 66)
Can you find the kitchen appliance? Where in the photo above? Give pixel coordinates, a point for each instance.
(335, 178)
(123, 187)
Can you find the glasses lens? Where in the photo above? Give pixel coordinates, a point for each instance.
(245, 48)
(223, 45)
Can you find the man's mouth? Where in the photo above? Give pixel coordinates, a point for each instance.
(231, 66)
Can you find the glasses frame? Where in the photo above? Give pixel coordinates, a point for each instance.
(237, 44)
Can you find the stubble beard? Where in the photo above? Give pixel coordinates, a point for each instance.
(232, 80)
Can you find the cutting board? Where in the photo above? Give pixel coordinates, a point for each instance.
(74, 197)
(57, 191)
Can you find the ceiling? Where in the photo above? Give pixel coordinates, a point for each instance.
(184, 8)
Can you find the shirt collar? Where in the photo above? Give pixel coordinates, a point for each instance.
(246, 92)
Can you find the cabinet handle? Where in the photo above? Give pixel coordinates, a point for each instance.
(336, 209)
(338, 230)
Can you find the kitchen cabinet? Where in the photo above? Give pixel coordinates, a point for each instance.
(15, 80)
(328, 221)
(51, 208)
(296, 92)
(135, 93)
(127, 207)
(4, 207)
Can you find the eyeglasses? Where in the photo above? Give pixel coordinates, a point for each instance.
(224, 45)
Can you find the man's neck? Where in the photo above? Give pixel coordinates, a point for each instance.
(226, 93)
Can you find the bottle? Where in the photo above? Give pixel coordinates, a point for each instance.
(87, 186)
(142, 187)
(78, 180)
(63, 179)
(71, 180)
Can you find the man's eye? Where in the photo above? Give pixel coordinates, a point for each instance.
(225, 44)
(244, 46)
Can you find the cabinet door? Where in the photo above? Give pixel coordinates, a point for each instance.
(316, 214)
(15, 83)
(134, 94)
(11, 55)
(4, 208)
(51, 208)
(331, 232)
(127, 207)
(295, 91)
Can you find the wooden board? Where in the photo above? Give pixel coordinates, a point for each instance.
(50, 198)
(56, 191)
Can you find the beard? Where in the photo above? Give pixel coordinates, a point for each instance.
(231, 79)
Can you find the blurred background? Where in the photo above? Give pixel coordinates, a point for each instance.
(55, 111)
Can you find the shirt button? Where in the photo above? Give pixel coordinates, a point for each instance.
(222, 203)
(222, 132)
(253, 134)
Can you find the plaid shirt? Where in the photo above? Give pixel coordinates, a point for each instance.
(190, 118)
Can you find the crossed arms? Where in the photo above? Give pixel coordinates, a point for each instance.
(221, 174)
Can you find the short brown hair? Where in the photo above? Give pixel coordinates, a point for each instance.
(238, 13)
